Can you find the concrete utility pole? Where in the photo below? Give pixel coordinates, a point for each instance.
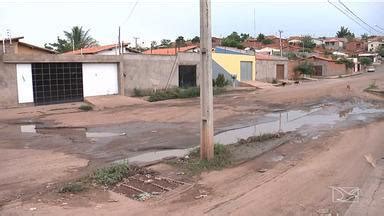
(206, 89)
(136, 38)
(281, 46)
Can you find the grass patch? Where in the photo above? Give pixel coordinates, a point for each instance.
(73, 187)
(174, 93)
(142, 92)
(110, 176)
(86, 107)
(260, 138)
(222, 159)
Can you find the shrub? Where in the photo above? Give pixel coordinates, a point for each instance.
(109, 176)
(220, 81)
(348, 63)
(365, 61)
(75, 187)
(174, 93)
(142, 92)
(291, 56)
(86, 107)
(305, 68)
(380, 50)
(221, 159)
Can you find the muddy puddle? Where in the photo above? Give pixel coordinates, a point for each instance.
(133, 137)
(303, 122)
(316, 117)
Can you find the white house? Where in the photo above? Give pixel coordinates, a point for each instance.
(374, 45)
(267, 50)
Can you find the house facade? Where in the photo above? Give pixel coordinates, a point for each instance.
(334, 43)
(271, 68)
(48, 79)
(15, 46)
(373, 46)
(327, 67)
(238, 65)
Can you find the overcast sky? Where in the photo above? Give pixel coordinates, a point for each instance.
(41, 21)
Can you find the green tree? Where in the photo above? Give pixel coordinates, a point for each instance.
(244, 37)
(165, 43)
(153, 44)
(76, 38)
(364, 37)
(305, 68)
(232, 40)
(260, 37)
(308, 42)
(365, 61)
(220, 81)
(380, 50)
(180, 41)
(195, 40)
(344, 33)
(267, 41)
(348, 63)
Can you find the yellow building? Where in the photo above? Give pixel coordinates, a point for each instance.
(240, 65)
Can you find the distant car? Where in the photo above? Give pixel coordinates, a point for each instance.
(370, 69)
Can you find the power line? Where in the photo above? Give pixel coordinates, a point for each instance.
(346, 14)
(131, 12)
(354, 14)
(379, 27)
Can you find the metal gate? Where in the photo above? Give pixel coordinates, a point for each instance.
(245, 71)
(57, 82)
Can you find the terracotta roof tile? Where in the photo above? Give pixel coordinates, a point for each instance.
(93, 50)
(168, 51)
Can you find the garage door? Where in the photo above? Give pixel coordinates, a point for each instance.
(24, 83)
(57, 83)
(245, 71)
(280, 72)
(100, 79)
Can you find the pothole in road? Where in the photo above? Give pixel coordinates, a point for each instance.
(311, 119)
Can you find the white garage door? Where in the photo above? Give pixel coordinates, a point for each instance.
(24, 83)
(100, 79)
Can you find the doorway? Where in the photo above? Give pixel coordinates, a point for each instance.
(187, 76)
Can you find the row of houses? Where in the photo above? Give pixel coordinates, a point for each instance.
(295, 43)
(33, 75)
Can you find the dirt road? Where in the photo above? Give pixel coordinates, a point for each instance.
(299, 184)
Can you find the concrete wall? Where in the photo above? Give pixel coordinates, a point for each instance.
(134, 71)
(156, 71)
(231, 62)
(8, 84)
(330, 68)
(266, 69)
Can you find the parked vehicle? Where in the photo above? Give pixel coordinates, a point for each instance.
(370, 69)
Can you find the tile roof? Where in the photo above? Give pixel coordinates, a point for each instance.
(93, 50)
(169, 51)
(321, 58)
